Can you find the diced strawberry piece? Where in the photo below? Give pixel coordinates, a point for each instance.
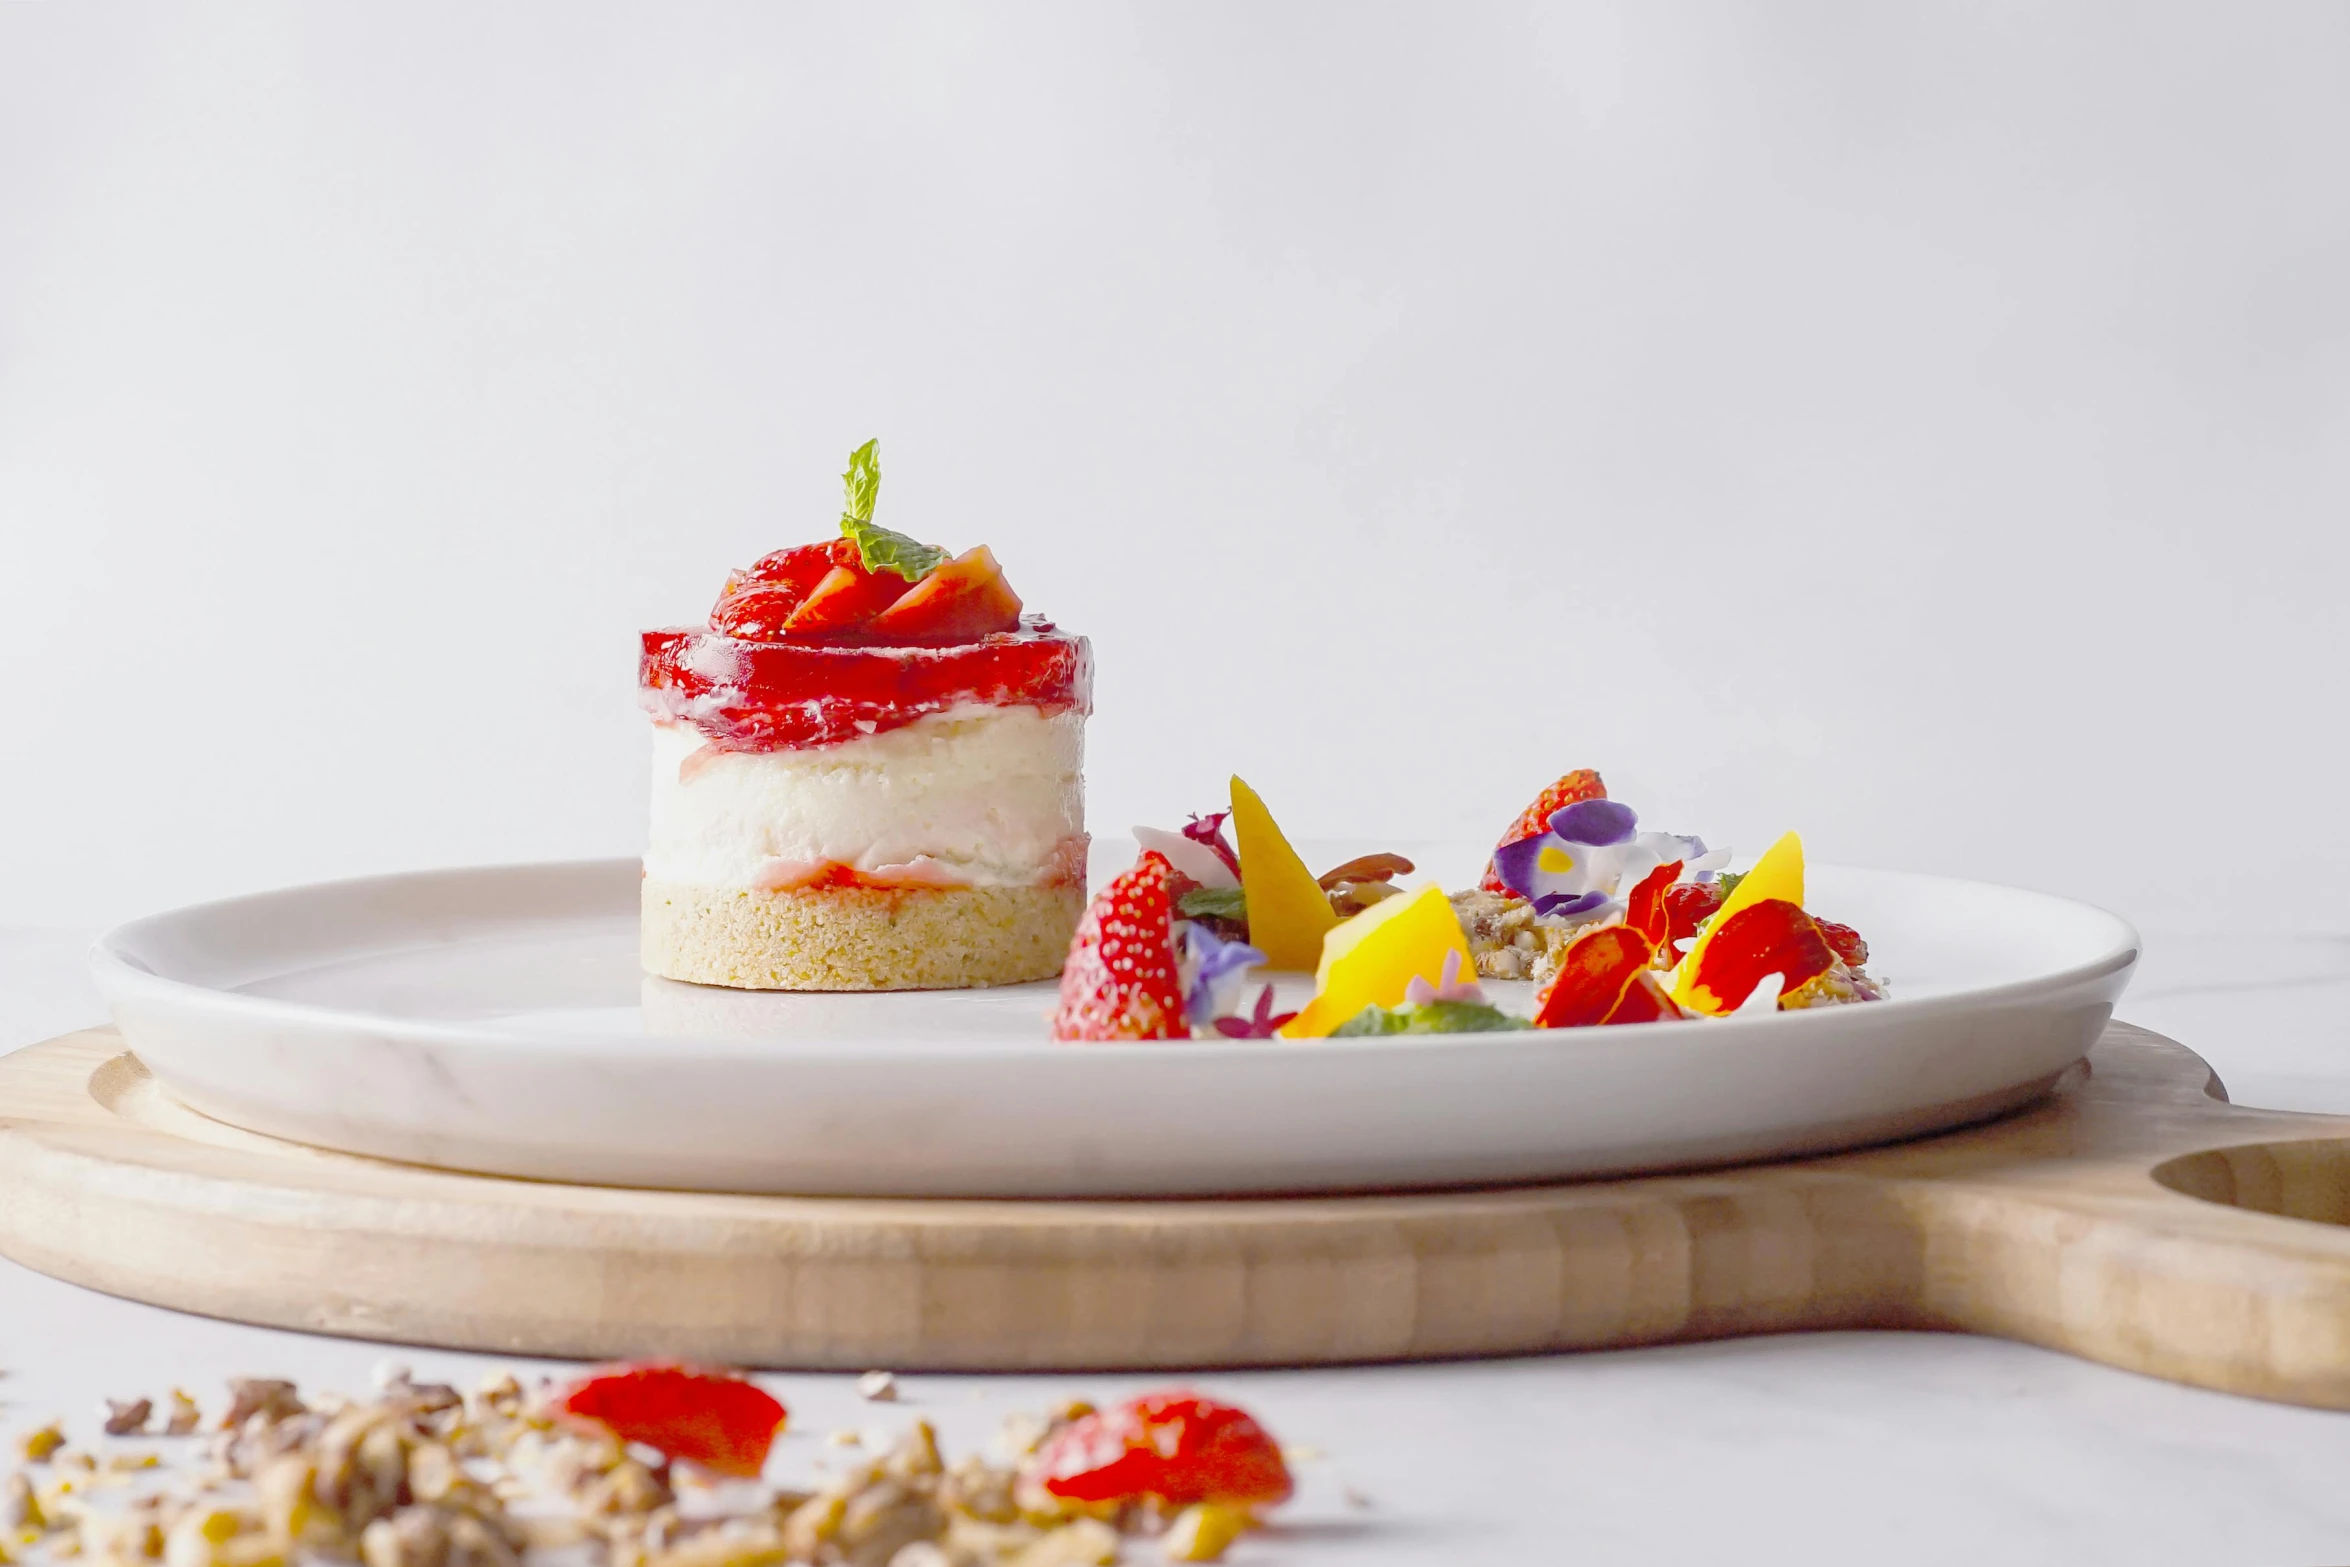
(1575, 787)
(713, 1418)
(966, 597)
(1176, 1447)
(1689, 905)
(1762, 939)
(1120, 980)
(1645, 910)
(1594, 973)
(1844, 941)
(844, 599)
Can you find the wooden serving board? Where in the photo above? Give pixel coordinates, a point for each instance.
(2133, 1217)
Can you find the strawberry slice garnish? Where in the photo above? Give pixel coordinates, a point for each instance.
(1120, 980)
(966, 597)
(757, 612)
(716, 1419)
(1580, 785)
(844, 599)
(757, 603)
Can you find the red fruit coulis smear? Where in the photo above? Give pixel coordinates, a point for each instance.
(774, 696)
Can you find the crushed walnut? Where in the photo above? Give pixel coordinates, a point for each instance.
(422, 1475)
(1508, 940)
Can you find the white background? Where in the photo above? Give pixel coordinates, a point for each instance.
(1925, 426)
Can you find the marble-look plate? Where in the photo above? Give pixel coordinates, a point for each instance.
(495, 1020)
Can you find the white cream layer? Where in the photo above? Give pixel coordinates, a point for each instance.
(976, 796)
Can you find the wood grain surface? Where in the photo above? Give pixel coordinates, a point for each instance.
(2132, 1217)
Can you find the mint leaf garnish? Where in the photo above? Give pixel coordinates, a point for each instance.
(877, 547)
(1218, 903)
(863, 480)
(1730, 881)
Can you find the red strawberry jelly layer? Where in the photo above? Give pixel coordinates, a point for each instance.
(774, 696)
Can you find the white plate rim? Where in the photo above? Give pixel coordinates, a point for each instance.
(120, 971)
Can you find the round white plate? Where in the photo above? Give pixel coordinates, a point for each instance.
(495, 1020)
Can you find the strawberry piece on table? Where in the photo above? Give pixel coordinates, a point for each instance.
(1594, 974)
(1176, 1447)
(716, 1419)
(1572, 789)
(966, 597)
(1120, 980)
(844, 599)
(1773, 936)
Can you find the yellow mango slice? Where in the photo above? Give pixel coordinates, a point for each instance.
(1369, 960)
(1288, 912)
(1778, 874)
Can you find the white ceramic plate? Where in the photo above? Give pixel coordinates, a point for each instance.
(495, 1020)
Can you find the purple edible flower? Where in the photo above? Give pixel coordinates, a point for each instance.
(1515, 863)
(1566, 903)
(1596, 822)
(1209, 830)
(1216, 960)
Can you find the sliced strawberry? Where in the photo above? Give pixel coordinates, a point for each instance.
(1593, 975)
(755, 612)
(1844, 941)
(1689, 905)
(712, 1418)
(844, 599)
(967, 597)
(778, 582)
(802, 566)
(1577, 786)
(1176, 1447)
(1645, 910)
(1120, 980)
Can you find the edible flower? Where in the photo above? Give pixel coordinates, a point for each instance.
(1209, 830)
(1448, 987)
(1586, 851)
(1218, 970)
(1263, 1023)
(1190, 856)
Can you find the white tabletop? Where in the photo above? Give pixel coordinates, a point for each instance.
(1832, 1447)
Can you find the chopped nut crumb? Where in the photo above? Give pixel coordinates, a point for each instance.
(1203, 1531)
(126, 1416)
(414, 1476)
(879, 1387)
(184, 1417)
(269, 1397)
(19, 1507)
(38, 1445)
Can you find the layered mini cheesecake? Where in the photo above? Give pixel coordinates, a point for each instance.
(867, 773)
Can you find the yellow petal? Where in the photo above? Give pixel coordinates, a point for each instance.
(1778, 874)
(1371, 959)
(1288, 912)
